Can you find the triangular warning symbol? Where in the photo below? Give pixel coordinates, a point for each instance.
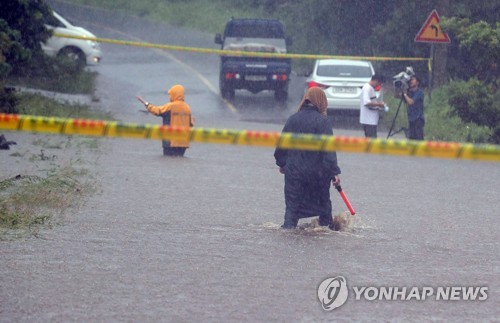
(431, 31)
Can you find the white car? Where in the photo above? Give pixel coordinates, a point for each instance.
(80, 50)
(342, 81)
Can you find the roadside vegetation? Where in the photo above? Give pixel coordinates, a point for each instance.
(28, 201)
(23, 63)
(57, 74)
(38, 198)
(55, 183)
(34, 104)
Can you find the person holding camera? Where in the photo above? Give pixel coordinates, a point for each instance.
(370, 106)
(414, 99)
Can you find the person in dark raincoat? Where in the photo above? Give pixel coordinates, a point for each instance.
(308, 174)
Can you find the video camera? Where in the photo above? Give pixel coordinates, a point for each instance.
(401, 80)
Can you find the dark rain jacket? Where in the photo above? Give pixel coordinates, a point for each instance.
(308, 165)
(176, 113)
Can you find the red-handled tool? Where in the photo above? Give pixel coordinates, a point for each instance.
(346, 201)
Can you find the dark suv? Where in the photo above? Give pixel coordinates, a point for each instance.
(254, 74)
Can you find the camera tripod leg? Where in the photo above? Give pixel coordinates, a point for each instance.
(391, 133)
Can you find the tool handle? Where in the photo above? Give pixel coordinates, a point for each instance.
(344, 198)
(142, 100)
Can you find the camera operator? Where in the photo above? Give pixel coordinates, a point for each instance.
(414, 98)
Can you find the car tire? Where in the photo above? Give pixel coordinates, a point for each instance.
(281, 95)
(75, 55)
(226, 91)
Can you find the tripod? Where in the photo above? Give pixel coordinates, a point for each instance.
(391, 132)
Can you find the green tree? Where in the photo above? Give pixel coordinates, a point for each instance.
(21, 31)
(27, 17)
(474, 97)
(473, 101)
(9, 45)
(476, 48)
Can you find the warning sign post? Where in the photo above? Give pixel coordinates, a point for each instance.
(432, 33)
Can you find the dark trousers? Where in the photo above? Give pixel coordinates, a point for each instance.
(175, 151)
(304, 199)
(416, 129)
(172, 151)
(370, 130)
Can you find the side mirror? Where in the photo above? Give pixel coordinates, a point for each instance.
(218, 39)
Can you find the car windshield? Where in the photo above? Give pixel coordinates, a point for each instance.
(51, 20)
(254, 30)
(344, 71)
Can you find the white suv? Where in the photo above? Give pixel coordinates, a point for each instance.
(82, 51)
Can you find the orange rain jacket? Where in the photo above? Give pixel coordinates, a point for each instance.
(176, 113)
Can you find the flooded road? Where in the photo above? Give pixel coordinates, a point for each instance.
(198, 238)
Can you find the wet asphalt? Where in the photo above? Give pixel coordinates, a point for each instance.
(198, 238)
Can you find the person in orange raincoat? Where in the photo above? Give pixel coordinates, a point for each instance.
(176, 113)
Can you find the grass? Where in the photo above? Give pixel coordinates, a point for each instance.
(27, 202)
(209, 16)
(30, 202)
(34, 104)
(81, 82)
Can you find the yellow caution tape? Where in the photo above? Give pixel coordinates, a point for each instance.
(239, 53)
(251, 138)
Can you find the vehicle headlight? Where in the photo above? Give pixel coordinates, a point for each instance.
(94, 44)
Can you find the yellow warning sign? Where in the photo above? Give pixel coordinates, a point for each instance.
(431, 31)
